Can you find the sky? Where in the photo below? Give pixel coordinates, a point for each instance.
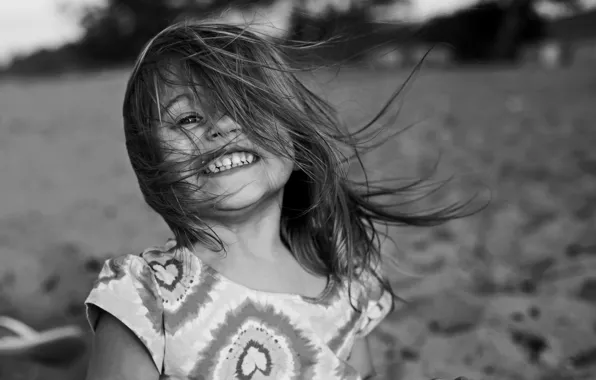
(27, 25)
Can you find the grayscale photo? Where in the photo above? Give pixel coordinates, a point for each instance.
(298, 190)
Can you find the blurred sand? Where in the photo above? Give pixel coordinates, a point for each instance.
(499, 286)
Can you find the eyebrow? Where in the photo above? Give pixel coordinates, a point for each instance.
(173, 101)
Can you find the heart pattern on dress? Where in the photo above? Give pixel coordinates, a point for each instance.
(255, 359)
(168, 274)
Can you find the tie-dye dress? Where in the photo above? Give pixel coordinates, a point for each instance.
(198, 324)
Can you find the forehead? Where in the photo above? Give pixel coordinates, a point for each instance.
(173, 80)
(171, 87)
(175, 94)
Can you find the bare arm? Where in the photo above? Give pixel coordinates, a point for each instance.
(118, 354)
(361, 360)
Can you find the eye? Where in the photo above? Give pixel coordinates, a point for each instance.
(189, 119)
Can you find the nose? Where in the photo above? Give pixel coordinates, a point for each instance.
(225, 127)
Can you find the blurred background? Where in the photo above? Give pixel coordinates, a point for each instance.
(504, 99)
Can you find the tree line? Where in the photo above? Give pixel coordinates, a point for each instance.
(114, 33)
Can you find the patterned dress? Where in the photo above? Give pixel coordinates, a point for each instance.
(199, 325)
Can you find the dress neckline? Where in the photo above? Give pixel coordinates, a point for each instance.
(327, 292)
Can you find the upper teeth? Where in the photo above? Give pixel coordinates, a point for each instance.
(229, 161)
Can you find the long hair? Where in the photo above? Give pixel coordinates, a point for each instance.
(329, 221)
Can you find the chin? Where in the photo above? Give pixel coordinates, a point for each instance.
(240, 210)
(247, 199)
(235, 203)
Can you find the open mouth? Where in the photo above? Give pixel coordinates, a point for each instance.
(231, 161)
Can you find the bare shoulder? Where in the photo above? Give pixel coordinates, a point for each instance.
(118, 354)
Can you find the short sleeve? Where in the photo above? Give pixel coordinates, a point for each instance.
(377, 305)
(127, 289)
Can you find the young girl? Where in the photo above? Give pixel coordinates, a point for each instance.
(274, 268)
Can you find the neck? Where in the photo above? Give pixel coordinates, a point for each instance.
(252, 234)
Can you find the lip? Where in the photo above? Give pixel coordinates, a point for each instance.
(208, 158)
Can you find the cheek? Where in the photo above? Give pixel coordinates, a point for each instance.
(283, 170)
(177, 147)
(290, 165)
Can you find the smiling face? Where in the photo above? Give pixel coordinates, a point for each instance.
(213, 153)
(199, 91)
